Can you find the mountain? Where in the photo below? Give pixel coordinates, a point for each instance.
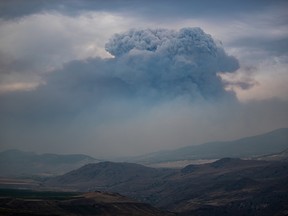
(263, 144)
(111, 176)
(19, 202)
(281, 156)
(229, 186)
(18, 163)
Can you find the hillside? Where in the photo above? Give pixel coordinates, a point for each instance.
(15, 163)
(263, 144)
(229, 186)
(17, 202)
(110, 176)
(281, 156)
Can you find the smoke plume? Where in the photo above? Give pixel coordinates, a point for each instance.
(173, 63)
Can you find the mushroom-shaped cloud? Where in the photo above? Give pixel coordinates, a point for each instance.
(171, 62)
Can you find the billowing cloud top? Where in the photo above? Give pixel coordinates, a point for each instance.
(186, 41)
(167, 61)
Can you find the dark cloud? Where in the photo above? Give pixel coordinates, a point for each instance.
(11, 65)
(149, 9)
(277, 46)
(18, 8)
(244, 80)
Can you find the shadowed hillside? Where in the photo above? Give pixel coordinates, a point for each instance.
(17, 202)
(112, 176)
(229, 186)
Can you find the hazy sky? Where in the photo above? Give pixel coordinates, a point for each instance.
(127, 77)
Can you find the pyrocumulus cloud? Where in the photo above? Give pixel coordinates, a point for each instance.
(168, 62)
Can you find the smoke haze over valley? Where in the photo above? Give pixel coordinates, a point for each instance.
(125, 78)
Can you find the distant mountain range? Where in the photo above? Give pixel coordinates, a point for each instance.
(281, 156)
(16, 163)
(268, 143)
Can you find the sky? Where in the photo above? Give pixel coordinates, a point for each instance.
(123, 78)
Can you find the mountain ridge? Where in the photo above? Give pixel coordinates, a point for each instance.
(228, 183)
(261, 144)
(17, 163)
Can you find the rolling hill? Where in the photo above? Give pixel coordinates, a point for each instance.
(111, 176)
(229, 186)
(36, 203)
